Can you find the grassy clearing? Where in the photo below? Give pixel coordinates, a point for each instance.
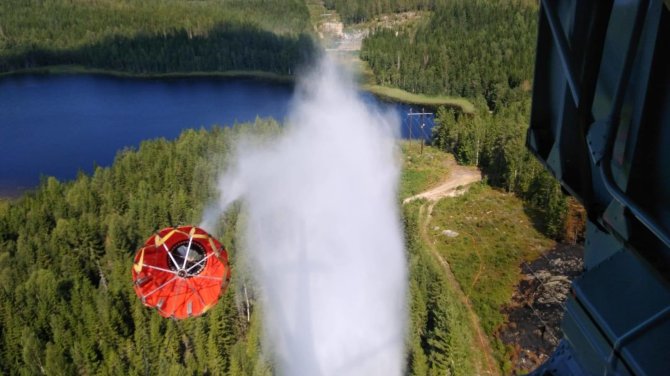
(432, 294)
(422, 171)
(495, 236)
(399, 95)
(437, 320)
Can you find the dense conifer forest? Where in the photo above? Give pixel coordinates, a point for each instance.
(67, 305)
(149, 37)
(484, 51)
(465, 48)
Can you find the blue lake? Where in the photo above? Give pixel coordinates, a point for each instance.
(57, 125)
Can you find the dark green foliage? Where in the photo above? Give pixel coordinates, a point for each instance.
(67, 305)
(495, 143)
(545, 194)
(149, 37)
(466, 48)
(439, 340)
(482, 50)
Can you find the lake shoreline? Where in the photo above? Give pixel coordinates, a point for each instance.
(432, 102)
(81, 70)
(385, 93)
(41, 113)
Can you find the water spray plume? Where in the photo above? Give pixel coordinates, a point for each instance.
(323, 232)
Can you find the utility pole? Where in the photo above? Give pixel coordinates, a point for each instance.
(409, 125)
(423, 114)
(423, 124)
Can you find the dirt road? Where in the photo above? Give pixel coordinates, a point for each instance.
(456, 183)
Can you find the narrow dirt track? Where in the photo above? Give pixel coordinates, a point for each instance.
(455, 184)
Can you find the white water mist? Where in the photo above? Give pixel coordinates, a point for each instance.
(324, 234)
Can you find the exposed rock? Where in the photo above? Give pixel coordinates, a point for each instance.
(536, 311)
(450, 233)
(335, 28)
